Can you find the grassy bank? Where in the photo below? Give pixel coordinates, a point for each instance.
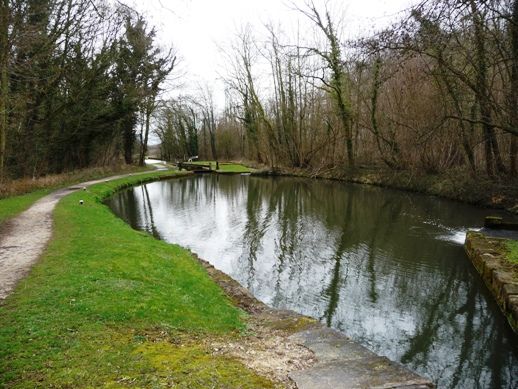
(18, 195)
(110, 306)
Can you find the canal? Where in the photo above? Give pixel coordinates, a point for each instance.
(385, 267)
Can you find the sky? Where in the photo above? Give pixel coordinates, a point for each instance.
(199, 29)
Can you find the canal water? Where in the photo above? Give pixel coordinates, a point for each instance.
(385, 267)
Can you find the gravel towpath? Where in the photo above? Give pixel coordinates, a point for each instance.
(24, 237)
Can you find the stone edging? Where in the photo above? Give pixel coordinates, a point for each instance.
(486, 254)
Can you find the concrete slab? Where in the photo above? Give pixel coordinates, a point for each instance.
(343, 363)
(329, 345)
(377, 372)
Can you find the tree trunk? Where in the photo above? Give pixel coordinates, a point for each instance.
(513, 153)
(514, 88)
(452, 92)
(482, 93)
(348, 135)
(144, 139)
(334, 62)
(4, 79)
(129, 141)
(338, 86)
(496, 151)
(212, 133)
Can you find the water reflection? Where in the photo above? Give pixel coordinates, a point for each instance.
(385, 267)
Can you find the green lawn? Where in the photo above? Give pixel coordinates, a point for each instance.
(108, 306)
(12, 206)
(233, 168)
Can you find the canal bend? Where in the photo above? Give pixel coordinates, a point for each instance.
(385, 267)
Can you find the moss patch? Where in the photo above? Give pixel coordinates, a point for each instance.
(194, 366)
(293, 324)
(512, 255)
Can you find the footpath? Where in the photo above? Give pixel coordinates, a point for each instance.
(24, 237)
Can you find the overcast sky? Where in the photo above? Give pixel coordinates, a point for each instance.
(199, 28)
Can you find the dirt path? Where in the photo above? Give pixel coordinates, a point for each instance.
(24, 237)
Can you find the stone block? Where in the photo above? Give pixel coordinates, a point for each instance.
(512, 302)
(511, 288)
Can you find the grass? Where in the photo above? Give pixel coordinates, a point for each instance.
(226, 167)
(233, 168)
(12, 206)
(512, 256)
(108, 306)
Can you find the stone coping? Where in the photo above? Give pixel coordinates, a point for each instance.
(487, 253)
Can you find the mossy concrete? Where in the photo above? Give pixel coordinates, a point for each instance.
(488, 255)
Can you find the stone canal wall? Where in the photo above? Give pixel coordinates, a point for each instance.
(488, 256)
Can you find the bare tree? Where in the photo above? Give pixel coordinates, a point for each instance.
(4, 78)
(332, 57)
